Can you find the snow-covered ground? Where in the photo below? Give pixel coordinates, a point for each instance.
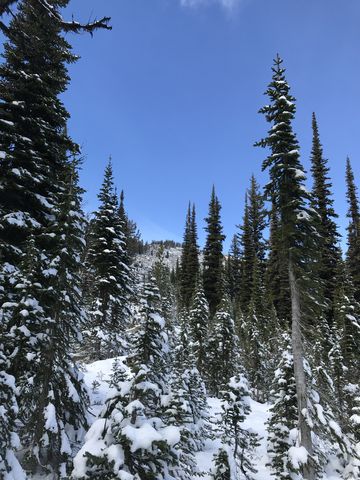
(100, 373)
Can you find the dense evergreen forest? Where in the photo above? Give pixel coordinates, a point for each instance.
(273, 323)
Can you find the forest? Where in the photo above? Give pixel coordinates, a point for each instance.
(131, 360)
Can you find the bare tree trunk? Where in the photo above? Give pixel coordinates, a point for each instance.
(299, 373)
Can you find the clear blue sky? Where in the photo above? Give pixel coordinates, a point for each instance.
(172, 93)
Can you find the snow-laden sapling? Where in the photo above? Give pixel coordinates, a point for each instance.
(236, 459)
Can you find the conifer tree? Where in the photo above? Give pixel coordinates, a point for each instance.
(161, 273)
(222, 469)
(283, 415)
(256, 330)
(222, 348)
(189, 267)
(237, 461)
(132, 235)
(276, 274)
(252, 241)
(322, 203)
(9, 441)
(233, 270)
(213, 257)
(199, 324)
(344, 354)
(248, 255)
(353, 253)
(135, 442)
(106, 259)
(32, 126)
(297, 227)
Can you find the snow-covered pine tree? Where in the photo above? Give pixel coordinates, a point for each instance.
(131, 438)
(134, 244)
(189, 267)
(297, 230)
(213, 256)
(283, 418)
(322, 203)
(252, 241)
(53, 397)
(34, 146)
(191, 384)
(10, 468)
(222, 469)
(258, 332)
(236, 461)
(353, 253)
(233, 271)
(161, 273)
(199, 324)
(344, 354)
(32, 126)
(276, 274)
(107, 262)
(222, 348)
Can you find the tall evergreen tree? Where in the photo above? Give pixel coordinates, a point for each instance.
(189, 267)
(289, 197)
(322, 202)
(111, 283)
(258, 332)
(222, 348)
(199, 324)
(233, 270)
(353, 253)
(276, 274)
(36, 208)
(252, 240)
(32, 126)
(161, 273)
(213, 257)
(133, 240)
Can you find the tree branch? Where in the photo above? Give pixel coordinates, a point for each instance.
(72, 26)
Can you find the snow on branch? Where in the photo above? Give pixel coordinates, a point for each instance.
(72, 26)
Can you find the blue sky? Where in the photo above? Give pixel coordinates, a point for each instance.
(172, 93)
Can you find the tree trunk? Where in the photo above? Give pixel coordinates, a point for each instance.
(299, 373)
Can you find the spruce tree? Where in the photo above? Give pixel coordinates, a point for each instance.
(32, 126)
(133, 240)
(238, 441)
(161, 273)
(252, 241)
(297, 228)
(222, 469)
(9, 440)
(233, 271)
(189, 266)
(213, 257)
(283, 415)
(258, 332)
(222, 348)
(106, 259)
(322, 203)
(248, 255)
(276, 274)
(199, 324)
(353, 253)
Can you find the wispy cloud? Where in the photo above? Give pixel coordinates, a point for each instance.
(227, 4)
